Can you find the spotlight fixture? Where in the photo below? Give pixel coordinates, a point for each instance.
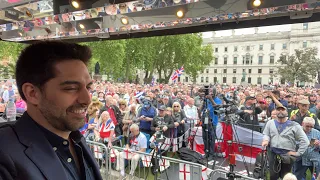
(180, 13)
(75, 4)
(256, 3)
(124, 20)
(82, 26)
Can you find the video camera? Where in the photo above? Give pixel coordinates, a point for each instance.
(226, 109)
(159, 134)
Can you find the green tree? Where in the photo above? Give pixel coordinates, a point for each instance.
(9, 52)
(302, 66)
(110, 55)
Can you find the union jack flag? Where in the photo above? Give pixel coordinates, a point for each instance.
(177, 74)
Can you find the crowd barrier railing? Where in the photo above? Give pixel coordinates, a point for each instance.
(139, 165)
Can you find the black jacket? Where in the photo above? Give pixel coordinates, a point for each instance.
(25, 153)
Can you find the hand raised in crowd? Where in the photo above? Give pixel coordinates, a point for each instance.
(248, 111)
(209, 97)
(109, 144)
(293, 117)
(265, 143)
(176, 124)
(182, 122)
(317, 143)
(164, 128)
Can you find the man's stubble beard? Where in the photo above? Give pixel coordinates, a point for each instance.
(57, 117)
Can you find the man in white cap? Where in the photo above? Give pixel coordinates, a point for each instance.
(303, 111)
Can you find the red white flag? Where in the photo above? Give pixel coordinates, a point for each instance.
(164, 164)
(146, 161)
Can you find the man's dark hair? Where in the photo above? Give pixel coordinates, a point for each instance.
(276, 92)
(36, 62)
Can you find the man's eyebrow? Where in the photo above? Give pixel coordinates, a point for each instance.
(70, 83)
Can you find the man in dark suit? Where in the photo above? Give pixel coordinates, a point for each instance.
(53, 79)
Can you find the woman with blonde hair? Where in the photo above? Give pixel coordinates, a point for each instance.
(179, 118)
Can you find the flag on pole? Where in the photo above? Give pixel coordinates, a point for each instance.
(177, 74)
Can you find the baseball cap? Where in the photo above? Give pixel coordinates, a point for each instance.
(304, 101)
(162, 108)
(281, 107)
(250, 97)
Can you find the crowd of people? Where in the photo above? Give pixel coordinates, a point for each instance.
(173, 108)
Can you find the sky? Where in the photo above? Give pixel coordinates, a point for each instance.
(265, 29)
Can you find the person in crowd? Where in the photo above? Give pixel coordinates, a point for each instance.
(92, 124)
(311, 157)
(129, 118)
(101, 98)
(94, 106)
(114, 112)
(179, 119)
(145, 115)
(210, 121)
(179, 98)
(21, 105)
(282, 135)
(276, 101)
(191, 113)
(162, 122)
(138, 142)
(316, 109)
(312, 100)
(289, 176)
(299, 114)
(249, 114)
(45, 143)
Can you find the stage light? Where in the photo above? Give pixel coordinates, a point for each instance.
(256, 3)
(75, 4)
(124, 20)
(180, 14)
(81, 26)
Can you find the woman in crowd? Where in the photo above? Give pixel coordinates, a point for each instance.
(179, 119)
(94, 106)
(93, 122)
(129, 118)
(21, 106)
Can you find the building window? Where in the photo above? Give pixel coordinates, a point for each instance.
(247, 59)
(305, 44)
(235, 60)
(271, 71)
(179, 79)
(260, 60)
(243, 70)
(207, 70)
(260, 47)
(272, 46)
(216, 50)
(187, 79)
(215, 71)
(225, 60)
(215, 79)
(249, 71)
(224, 80)
(235, 48)
(234, 71)
(225, 71)
(259, 71)
(202, 79)
(225, 49)
(249, 80)
(234, 80)
(207, 79)
(284, 46)
(305, 26)
(271, 59)
(259, 80)
(216, 61)
(248, 48)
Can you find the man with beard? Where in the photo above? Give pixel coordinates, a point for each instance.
(52, 77)
(283, 137)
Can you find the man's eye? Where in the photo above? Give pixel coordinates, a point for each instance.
(70, 89)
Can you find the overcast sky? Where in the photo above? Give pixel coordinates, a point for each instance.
(249, 31)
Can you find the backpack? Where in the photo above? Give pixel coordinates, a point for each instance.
(260, 166)
(190, 155)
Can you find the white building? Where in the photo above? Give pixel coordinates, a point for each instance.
(254, 51)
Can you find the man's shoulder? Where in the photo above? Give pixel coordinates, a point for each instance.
(8, 138)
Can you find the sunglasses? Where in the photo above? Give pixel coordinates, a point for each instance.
(175, 106)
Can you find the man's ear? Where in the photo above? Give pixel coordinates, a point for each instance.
(32, 93)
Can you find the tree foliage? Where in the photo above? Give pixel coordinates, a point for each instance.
(161, 55)
(302, 66)
(9, 52)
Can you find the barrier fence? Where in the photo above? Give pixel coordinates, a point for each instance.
(139, 165)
